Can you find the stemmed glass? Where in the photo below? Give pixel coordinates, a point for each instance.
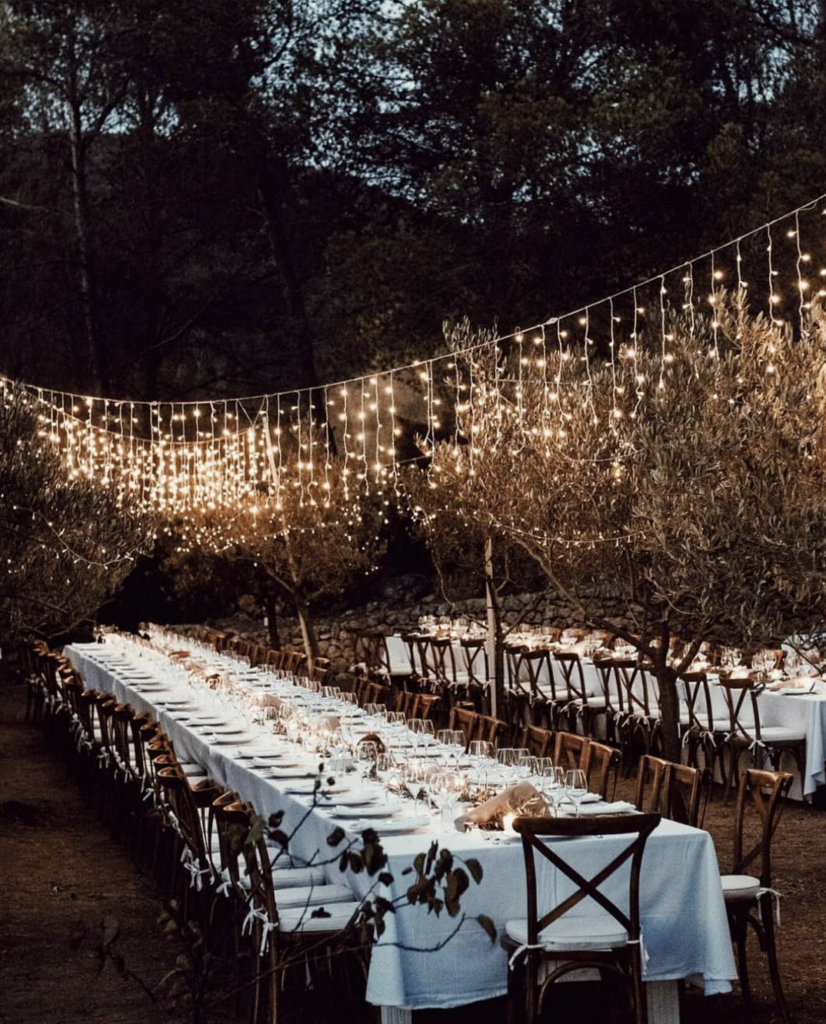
(576, 787)
(444, 788)
(367, 756)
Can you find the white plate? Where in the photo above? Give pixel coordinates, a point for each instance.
(389, 826)
(226, 741)
(290, 773)
(351, 798)
(368, 811)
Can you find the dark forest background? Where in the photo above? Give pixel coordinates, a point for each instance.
(222, 198)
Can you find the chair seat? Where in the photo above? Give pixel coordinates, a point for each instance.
(773, 734)
(596, 931)
(192, 770)
(739, 888)
(292, 878)
(311, 895)
(295, 878)
(301, 921)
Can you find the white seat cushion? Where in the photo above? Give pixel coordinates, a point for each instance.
(311, 896)
(301, 920)
(778, 733)
(191, 769)
(294, 878)
(739, 887)
(596, 931)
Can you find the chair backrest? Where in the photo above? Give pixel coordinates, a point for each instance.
(620, 681)
(466, 720)
(744, 715)
(694, 686)
(538, 741)
(572, 679)
(651, 783)
(537, 667)
(686, 794)
(476, 660)
(396, 656)
(603, 769)
(637, 827)
(426, 705)
(571, 751)
(762, 792)
(491, 730)
(191, 805)
(642, 692)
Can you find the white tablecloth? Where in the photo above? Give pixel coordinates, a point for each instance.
(685, 928)
(804, 713)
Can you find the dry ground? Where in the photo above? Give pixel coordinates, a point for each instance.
(60, 869)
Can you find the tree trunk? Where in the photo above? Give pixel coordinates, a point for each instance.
(80, 202)
(496, 649)
(270, 605)
(308, 633)
(669, 712)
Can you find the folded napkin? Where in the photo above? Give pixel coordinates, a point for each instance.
(618, 807)
(522, 798)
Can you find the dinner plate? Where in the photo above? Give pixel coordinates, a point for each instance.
(308, 789)
(290, 773)
(368, 811)
(229, 740)
(227, 730)
(352, 798)
(391, 826)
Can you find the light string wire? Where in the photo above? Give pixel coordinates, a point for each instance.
(164, 466)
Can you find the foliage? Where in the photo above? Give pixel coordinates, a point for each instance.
(692, 488)
(203, 197)
(311, 535)
(65, 545)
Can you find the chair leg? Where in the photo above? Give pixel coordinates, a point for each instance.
(740, 932)
(771, 954)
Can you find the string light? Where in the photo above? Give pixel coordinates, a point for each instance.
(208, 454)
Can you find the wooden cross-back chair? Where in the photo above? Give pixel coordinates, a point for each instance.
(686, 794)
(303, 936)
(571, 751)
(608, 940)
(490, 730)
(749, 897)
(603, 769)
(466, 720)
(749, 734)
(426, 705)
(539, 741)
(476, 660)
(651, 783)
(709, 722)
(574, 702)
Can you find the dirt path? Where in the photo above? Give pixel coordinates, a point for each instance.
(60, 871)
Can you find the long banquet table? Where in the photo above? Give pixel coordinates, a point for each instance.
(685, 928)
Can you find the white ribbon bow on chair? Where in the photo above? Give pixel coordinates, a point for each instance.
(267, 926)
(776, 898)
(190, 862)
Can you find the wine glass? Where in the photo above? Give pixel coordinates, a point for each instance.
(427, 732)
(576, 787)
(367, 756)
(479, 750)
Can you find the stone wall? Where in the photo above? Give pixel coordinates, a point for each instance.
(337, 633)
